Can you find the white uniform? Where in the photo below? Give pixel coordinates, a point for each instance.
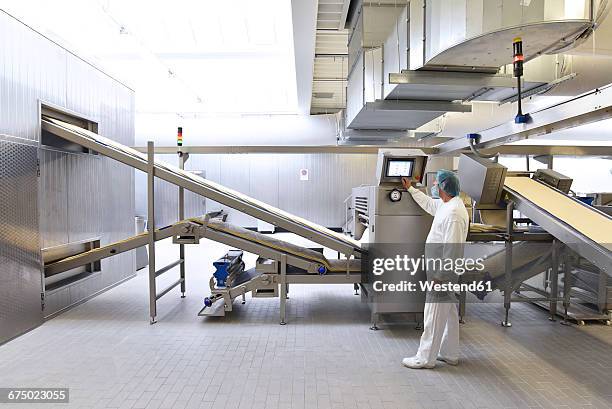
(441, 320)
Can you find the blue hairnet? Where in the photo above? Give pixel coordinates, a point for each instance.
(449, 182)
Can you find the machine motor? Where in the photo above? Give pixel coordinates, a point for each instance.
(228, 267)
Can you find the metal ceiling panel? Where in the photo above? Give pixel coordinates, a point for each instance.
(453, 86)
(402, 115)
(331, 14)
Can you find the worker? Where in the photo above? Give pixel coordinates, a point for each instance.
(448, 233)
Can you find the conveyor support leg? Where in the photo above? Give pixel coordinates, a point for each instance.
(151, 231)
(554, 281)
(508, 266)
(567, 287)
(181, 213)
(283, 289)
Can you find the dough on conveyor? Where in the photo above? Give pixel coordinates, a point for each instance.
(588, 221)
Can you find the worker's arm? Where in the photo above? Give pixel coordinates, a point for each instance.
(428, 204)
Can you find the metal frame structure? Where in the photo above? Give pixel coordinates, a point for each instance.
(190, 231)
(511, 281)
(510, 150)
(572, 238)
(562, 238)
(590, 107)
(151, 236)
(136, 161)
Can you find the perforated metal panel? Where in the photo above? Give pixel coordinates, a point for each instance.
(20, 261)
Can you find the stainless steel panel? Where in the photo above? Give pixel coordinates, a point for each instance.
(477, 28)
(355, 90)
(382, 207)
(263, 178)
(451, 86)
(21, 272)
(29, 70)
(373, 74)
(395, 50)
(83, 174)
(54, 198)
(416, 57)
(355, 41)
(405, 115)
(81, 196)
(482, 179)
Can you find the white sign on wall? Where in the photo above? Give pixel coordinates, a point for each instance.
(303, 174)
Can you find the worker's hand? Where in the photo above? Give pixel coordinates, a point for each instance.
(406, 183)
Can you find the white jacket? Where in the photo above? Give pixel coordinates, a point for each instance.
(451, 221)
(446, 238)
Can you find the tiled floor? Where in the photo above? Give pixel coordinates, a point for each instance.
(110, 357)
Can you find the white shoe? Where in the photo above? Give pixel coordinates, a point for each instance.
(416, 363)
(449, 361)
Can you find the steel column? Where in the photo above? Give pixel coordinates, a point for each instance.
(508, 267)
(151, 230)
(554, 280)
(181, 216)
(567, 286)
(283, 289)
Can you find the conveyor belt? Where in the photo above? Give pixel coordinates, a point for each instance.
(217, 230)
(247, 275)
(204, 187)
(581, 227)
(283, 246)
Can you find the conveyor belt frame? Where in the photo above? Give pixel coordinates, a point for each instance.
(575, 240)
(137, 162)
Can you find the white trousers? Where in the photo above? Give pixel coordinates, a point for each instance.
(440, 332)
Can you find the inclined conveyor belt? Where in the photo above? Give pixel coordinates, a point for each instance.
(204, 187)
(581, 227)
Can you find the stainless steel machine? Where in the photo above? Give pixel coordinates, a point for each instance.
(386, 214)
(553, 233)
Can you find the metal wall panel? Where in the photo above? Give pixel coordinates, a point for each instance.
(263, 178)
(29, 69)
(82, 196)
(21, 273)
(273, 179)
(54, 198)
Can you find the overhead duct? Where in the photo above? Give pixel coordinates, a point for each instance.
(438, 53)
(478, 34)
(587, 66)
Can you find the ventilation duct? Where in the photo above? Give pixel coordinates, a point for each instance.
(438, 54)
(478, 34)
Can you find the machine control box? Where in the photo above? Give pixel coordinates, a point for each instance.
(554, 179)
(482, 180)
(392, 166)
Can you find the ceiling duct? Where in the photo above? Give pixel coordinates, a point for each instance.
(478, 34)
(437, 54)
